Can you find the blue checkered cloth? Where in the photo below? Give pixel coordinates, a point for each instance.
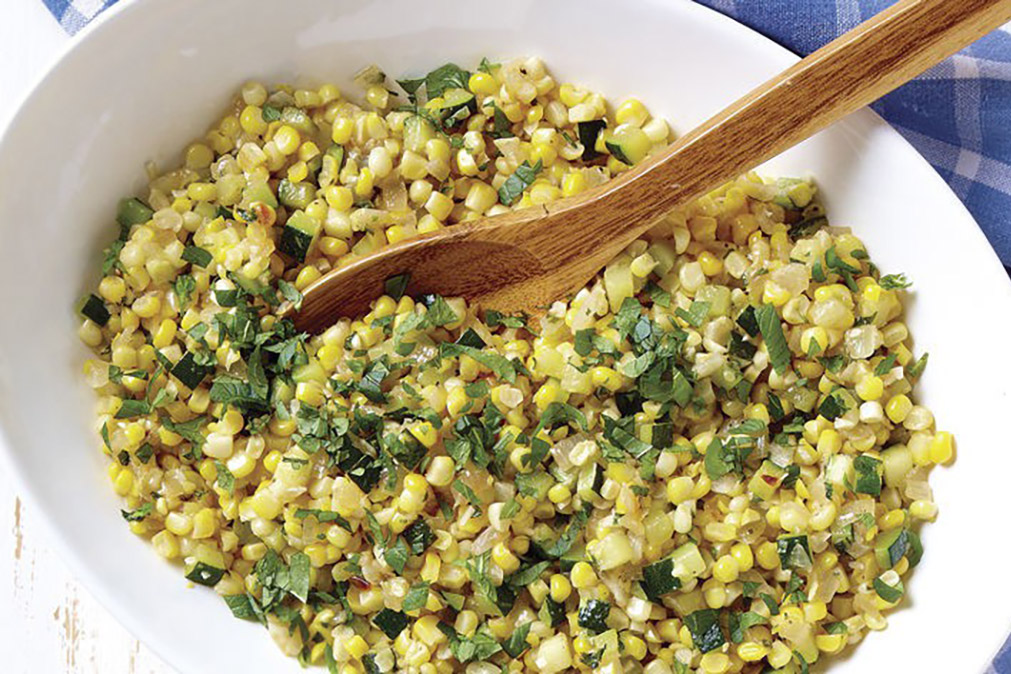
(958, 114)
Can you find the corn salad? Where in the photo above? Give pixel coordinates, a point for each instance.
(707, 460)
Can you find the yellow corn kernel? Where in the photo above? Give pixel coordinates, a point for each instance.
(898, 408)
(308, 275)
(679, 489)
(482, 83)
(870, 387)
(559, 494)
(504, 558)
(830, 643)
(123, 482)
(583, 575)
(343, 127)
(424, 432)
(767, 556)
(752, 651)
(714, 662)
(942, 447)
(922, 509)
(606, 377)
(356, 647)
(634, 646)
(726, 569)
(287, 139)
(561, 588)
(631, 111)
(573, 183)
(829, 442)
(711, 265)
(205, 523)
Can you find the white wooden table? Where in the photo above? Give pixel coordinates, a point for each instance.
(49, 624)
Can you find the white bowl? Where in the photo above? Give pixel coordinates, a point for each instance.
(153, 74)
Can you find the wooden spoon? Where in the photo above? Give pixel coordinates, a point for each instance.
(530, 257)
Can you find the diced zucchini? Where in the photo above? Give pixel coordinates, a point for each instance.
(295, 195)
(337, 152)
(688, 562)
(588, 133)
(577, 553)
(417, 132)
(259, 192)
(93, 308)
(890, 547)
(658, 579)
(457, 105)
(897, 461)
(803, 399)
(591, 479)
(766, 480)
(534, 485)
(628, 144)
(298, 119)
(794, 552)
(298, 235)
(392, 623)
(868, 470)
(133, 212)
(189, 372)
(839, 470)
(593, 615)
(705, 628)
(718, 298)
(552, 612)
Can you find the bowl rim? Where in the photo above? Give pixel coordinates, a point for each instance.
(45, 515)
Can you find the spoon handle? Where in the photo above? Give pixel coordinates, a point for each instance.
(848, 73)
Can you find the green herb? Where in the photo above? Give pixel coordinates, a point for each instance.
(916, 369)
(833, 363)
(396, 555)
(832, 407)
(454, 600)
(886, 365)
(225, 478)
(503, 368)
(836, 628)
(818, 272)
(696, 313)
(298, 574)
(396, 286)
(493, 319)
(324, 517)
(739, 622)
(514, 186)
(375, 529)
(517, 641)
(416, 597)
(184, 287)
(501, 126)
(197, 256)
(704, 625)
(138, 514)
(290, 293)
(770, 603)
(133, 408)
(245, 607)
(772, 333)
(894, 282)
(189, 430)
(528, 575)
(569, 536)
(110, 259)
(557, 414)
(461, 488)
(510, 509)
(449, 76)
(270, 113)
